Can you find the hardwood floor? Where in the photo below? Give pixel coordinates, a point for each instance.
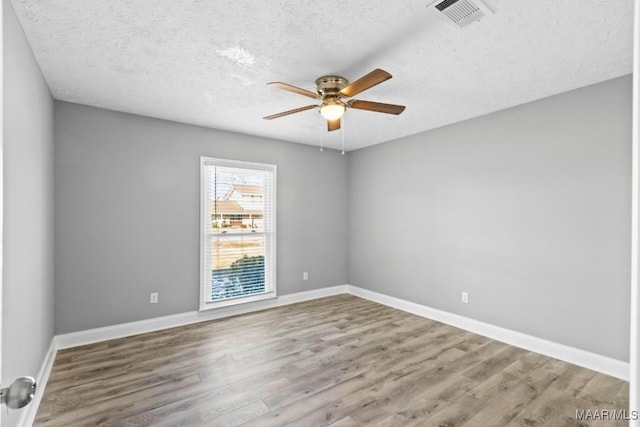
(339, 361)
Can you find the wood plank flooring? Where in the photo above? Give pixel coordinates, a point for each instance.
(339, 361)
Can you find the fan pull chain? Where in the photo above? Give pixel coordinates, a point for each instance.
(322, 125)
(342, 129)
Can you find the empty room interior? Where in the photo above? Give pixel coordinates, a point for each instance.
(408, 213)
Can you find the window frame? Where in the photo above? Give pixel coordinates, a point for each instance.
(270, 249)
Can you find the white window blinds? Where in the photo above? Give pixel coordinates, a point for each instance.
(238, 232)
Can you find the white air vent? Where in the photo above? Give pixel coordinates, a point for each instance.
(462, 12)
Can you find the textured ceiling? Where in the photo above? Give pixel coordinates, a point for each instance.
(208, 62)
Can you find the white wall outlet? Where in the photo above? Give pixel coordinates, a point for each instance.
(465, 297)
(153, 298)
(305, 276)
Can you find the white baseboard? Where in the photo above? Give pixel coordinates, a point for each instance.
(28, 415)
(593, 361)
(596, 362)
(91, 336)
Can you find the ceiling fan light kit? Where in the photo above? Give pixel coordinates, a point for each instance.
(332, 89)
(332, 109)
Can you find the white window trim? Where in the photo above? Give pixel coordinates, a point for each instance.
(204, 305)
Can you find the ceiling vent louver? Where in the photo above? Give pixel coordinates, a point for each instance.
(462, 12)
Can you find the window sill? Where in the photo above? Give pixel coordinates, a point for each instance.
(236, 301)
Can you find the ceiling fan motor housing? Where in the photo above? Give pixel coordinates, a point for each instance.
(329, 88)
(330, 85)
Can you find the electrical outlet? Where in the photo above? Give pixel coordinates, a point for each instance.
(465, 297)
(153, 298)
(305, 276)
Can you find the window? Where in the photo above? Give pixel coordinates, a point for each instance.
(238, 238)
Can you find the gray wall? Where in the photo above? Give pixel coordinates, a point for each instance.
(28, 210)
(127, 214)
(527, 209)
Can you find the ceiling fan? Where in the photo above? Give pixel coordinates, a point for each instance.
(332, 89)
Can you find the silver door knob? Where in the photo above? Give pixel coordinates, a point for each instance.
(19, 394)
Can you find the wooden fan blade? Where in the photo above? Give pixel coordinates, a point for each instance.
(375, 77)
(333, 124)
(376, 106)
(286, 113)
(295, 89)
